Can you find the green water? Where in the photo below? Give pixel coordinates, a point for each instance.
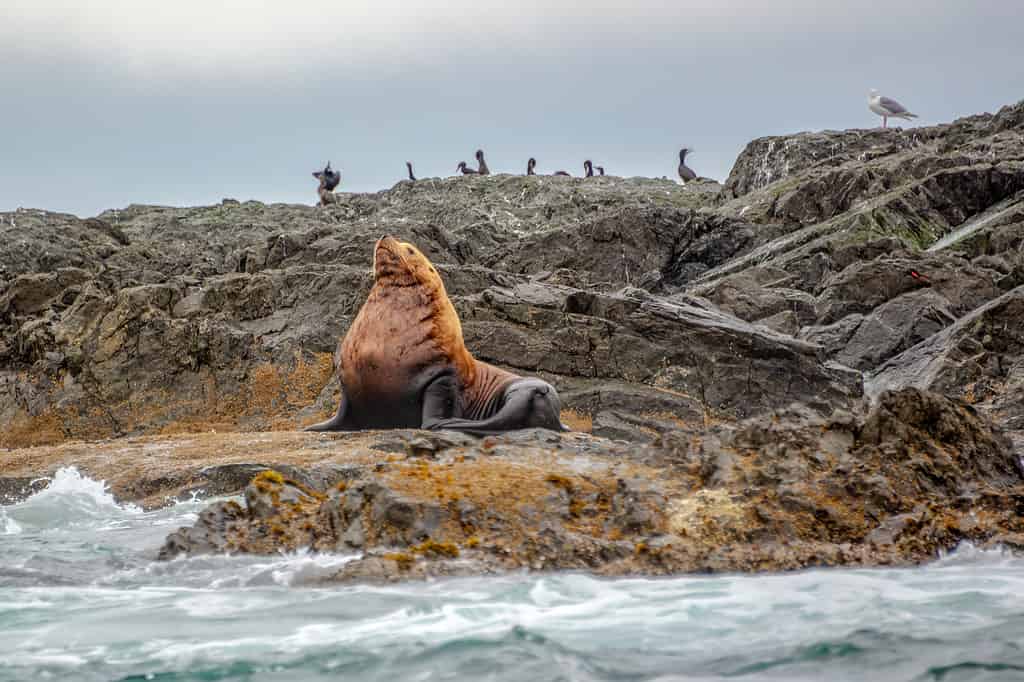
(82, 599)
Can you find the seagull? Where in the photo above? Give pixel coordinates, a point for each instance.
(686, 173)
(887, 108)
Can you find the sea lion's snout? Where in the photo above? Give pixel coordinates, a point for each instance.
(387, 258)
(386, 243)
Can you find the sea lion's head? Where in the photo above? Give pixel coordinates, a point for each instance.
(402, 264)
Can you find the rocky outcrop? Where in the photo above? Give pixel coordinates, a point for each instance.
(227, 316)
(713, 344)
(978, 359)
(917, 475)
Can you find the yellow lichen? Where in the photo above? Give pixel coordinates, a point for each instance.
(435, 549)
(404, 561)
(578, 421)
(560, 482)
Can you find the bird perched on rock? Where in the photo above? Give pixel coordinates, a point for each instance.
(408, 164)
(686, 173)
(464, 169)
(599, 169)
(588, 169)
(530, 165)
(887, 108)
(329, 179)
(484, 170)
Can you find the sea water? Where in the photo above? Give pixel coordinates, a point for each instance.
(82, 598)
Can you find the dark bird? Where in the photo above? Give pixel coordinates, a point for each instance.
(530, 165)
(686, 173)
(484, 170)
(465, 170)
(589, 168)
(562, 173)
(329, 179)
(599, 169)
(408, 164)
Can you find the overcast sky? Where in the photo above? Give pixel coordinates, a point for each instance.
(106, 102)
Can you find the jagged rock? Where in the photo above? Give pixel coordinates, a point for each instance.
(14, 489)
(895, 326)
(919, 473)
(149, 317)
(702, 335)
(979, 359)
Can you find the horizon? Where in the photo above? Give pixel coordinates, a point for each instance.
(191, 104)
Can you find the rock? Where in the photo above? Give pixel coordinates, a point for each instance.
(713, 340)
(916, 475)
(14, 489)
(895, 326)
(211, 533)
(979, 359)
(225, 316)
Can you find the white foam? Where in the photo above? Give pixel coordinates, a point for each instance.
(8, 526)
(69, 500)
(967, 554)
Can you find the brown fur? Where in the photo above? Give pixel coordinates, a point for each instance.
(408, 323)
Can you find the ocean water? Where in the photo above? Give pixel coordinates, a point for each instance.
(81, 598)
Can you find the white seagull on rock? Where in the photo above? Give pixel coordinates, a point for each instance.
(887, 108)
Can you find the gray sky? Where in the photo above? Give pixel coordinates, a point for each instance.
(109, 102)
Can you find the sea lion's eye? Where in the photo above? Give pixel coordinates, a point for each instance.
(409, 251)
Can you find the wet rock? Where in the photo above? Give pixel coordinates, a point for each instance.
(211, 533)
(916, 475)
(14, 489)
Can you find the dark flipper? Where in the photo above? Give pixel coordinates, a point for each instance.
(335, 423)
(527, 403)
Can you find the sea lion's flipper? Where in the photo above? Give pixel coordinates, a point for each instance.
(439, 401)
(527, 403)
(335, 423)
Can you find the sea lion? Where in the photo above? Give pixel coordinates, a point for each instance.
(465, 170)
(403, 362)
(484, 170)
(408, 164)
(686, 173)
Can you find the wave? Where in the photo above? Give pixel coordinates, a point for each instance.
(69, 500)
(8, 526)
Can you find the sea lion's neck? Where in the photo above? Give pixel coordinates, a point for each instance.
(424, 304)
(482, 395)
